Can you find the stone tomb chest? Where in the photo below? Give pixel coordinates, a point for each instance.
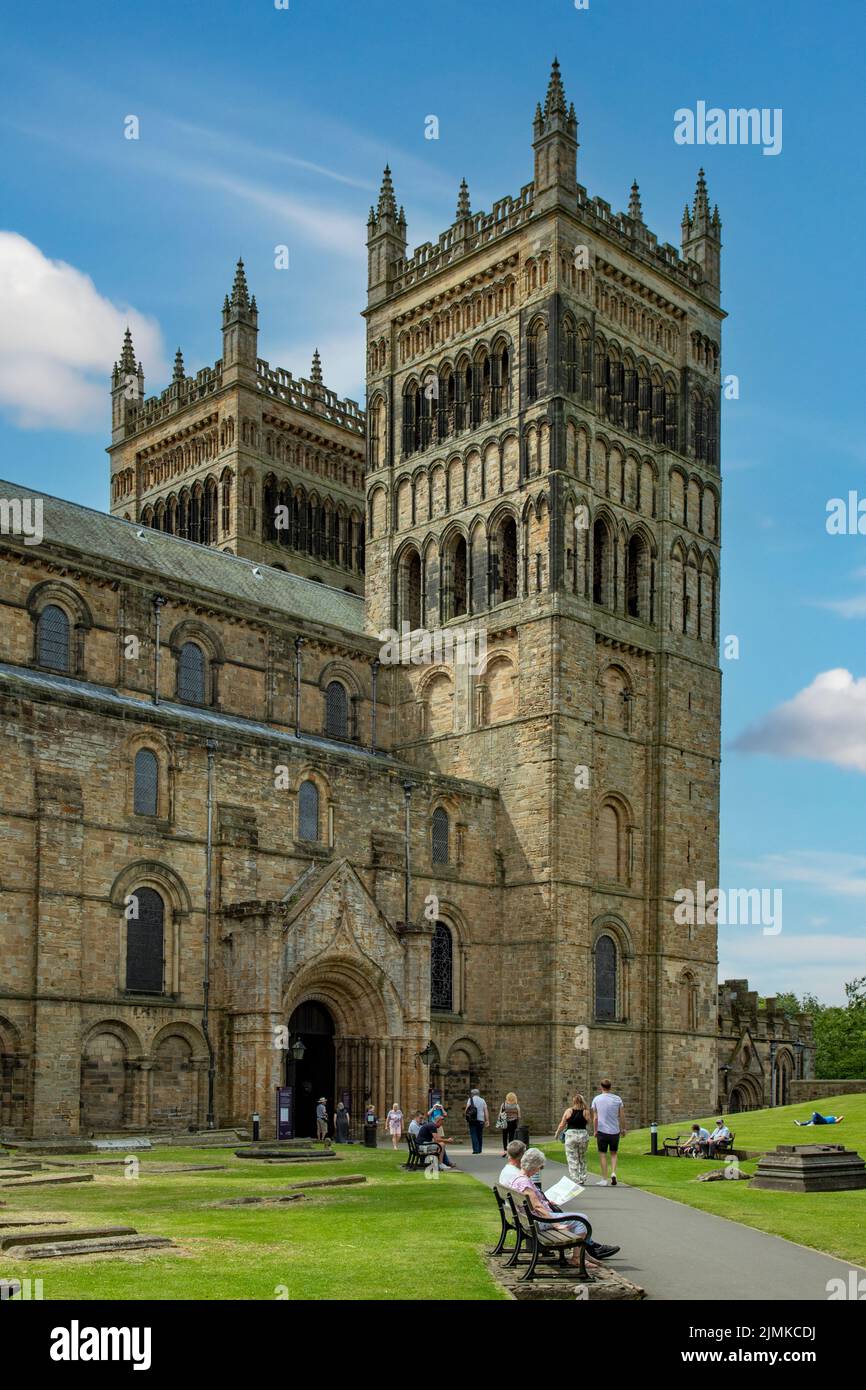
(810, 1168)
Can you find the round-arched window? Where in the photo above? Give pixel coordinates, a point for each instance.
(53, 638)
(308, 811)
(146, 791)
(191, 674)
(336, 711)
(605, 979)
(144, 942)
(442, 968)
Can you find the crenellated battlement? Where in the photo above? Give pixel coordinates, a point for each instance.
(391, 271)
(309, 395)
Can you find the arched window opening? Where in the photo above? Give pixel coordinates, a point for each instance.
(439, 836)
(459, 573)
(409, 596)
(191, 674)
(145, 930)
(53, 638)
(636, 556)
(605, 979)
(600, 563)
(336, 711)
(146, 783)
(610, 857)
(442, 969)
(308, 811)
(505, 562)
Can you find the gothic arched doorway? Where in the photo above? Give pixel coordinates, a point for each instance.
(313, 1076)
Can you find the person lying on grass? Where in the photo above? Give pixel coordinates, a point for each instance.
(818, 1119)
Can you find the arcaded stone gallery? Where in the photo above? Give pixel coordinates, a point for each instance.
(230, 826)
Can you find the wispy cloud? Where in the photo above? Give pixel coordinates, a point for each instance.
(249, 149)
(827, 871)
(825, 722)
(58, 339)
(812, 963)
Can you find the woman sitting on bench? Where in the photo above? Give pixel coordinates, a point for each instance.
(531, 1163)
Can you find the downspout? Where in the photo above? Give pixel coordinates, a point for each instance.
(407, 796)
(375, 670)
(157, 607)
(211, 1065)
(299, 642)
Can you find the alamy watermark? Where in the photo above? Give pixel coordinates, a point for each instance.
(738, 125)
(453, 646)
(732, 907)
(22, 517)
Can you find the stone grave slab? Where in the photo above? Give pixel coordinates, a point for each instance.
(46, 1180)
(810, 1168)
(15, 1238)
(342, 1181)
(114, 1245)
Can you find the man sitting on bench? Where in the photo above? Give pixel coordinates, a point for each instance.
(721, 1135)
(430, 1140)
(695, 1144)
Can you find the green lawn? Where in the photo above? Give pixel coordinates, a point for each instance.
(397, 1236)
(831, 1221)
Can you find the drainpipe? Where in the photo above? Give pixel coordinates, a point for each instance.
(299, 642)
(211, 1065)
(407, 798)
(375, 668)
(157, 606)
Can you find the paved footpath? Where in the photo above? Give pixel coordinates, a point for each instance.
(678, 1252)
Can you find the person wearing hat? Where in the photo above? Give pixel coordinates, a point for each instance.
(322, 1118)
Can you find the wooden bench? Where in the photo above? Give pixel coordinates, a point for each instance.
(673, 1148)
(532, 1230)
(508, 1224)
(416, 1158)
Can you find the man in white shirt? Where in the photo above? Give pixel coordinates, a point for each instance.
(515, 1151)
(696, 1141)
(720, 1135)
(608, 1117)
(415, 1124)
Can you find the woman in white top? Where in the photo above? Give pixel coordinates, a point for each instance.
(394, 1122)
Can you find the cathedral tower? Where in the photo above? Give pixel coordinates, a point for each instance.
(543, 467)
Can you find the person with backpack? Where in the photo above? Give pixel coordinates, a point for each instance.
(477, 1117)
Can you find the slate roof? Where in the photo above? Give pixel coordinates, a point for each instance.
(109, 537)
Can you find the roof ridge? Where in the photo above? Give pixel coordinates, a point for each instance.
(139, 526)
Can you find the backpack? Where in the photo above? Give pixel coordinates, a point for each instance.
(471, 1111)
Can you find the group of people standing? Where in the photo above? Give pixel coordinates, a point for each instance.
(603, 1120)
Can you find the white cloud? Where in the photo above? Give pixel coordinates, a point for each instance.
(808, 964)
(58, 340)
(825, 722)
(846, 607)
(826, 870)
(321, 226)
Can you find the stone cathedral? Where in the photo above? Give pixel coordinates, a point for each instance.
(241, 849)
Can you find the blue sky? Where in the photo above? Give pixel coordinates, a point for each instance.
(261, 127)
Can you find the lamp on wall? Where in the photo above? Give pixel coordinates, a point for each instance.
(425, 1057)
(298, 1050)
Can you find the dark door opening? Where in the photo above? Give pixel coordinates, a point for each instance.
(314, 1075)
